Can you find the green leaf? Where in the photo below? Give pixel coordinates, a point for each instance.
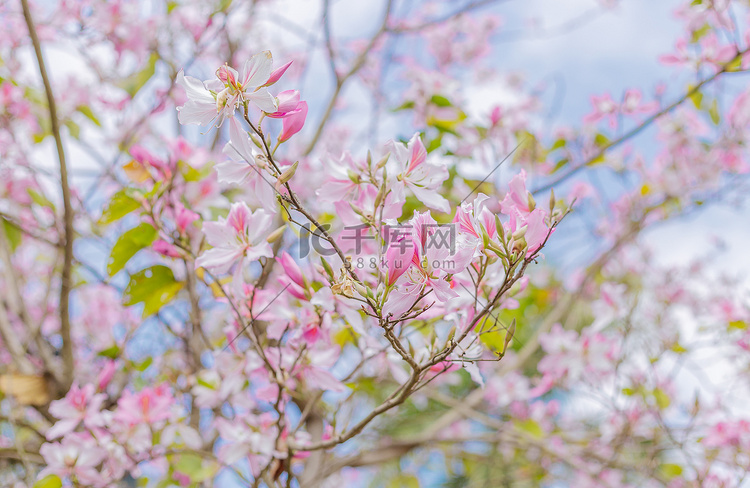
(49, 481)
(699, 33)
(662, 399)
(738, 324)
(73, 128)
(40, 199)
(405, 106)
(670, 471)
(678, 348)
(135, 82)
(86, 110)
(404, 481)
(435, 143)
(13, 233)
(440, 101)
(714, 112)
(558, 144)
(128, 244)
(531, 427)
(154, 287)
(111, 352)
(560, 164)
(696, 98)
(143, 365)
(601, 140)
(735, 65)
(120, 205)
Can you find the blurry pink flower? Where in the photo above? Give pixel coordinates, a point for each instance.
(165, 248)
(294, 122)
(184, 217)
(149, 406)
(604, 107)
(79, 405)
(517, 197)
(293, 281)
(106, 375)
(632, 105)
(238, 238)
(76, 456)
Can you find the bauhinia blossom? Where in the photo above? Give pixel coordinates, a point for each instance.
(238, 238)
(213, 101)
(412, 170)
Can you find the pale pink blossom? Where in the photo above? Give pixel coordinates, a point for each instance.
(76, 456)
(410, 169)
(80, 405)
(236, 239)
(213, 101)
(294, 122)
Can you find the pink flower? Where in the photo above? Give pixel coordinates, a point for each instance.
(76, 456)
(413, 171)
(239, 238)
(184, 217)
(165, 249)
(398, 255)
(106, 375)
(213, 101)
(79, 405)
(294, 282)
(433, 259)
(277, 74)
(632, 105)
(294, 122)
(149, 406)
(604, 107)
(289, 104)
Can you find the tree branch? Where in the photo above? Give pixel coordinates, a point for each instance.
(65, 285)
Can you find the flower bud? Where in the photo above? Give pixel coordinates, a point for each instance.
(289, 173)
(275, 235)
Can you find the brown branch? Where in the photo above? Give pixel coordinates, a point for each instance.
(340, 80)
(65, 285)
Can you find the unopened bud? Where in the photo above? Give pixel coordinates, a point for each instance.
(532, 202)
(520, 232)
(360, 289)
(379, 196)
(275, 235)
(261, 161)
(289, 173)
(327, 268)
(552, 201)
(382, 161)
(519, 245)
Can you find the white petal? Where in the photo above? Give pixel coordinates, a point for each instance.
(257, 70)
(263, 100)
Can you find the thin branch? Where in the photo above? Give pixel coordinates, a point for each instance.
(65, 285)
(643, 125)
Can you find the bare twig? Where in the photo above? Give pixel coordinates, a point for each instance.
(65, 285)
